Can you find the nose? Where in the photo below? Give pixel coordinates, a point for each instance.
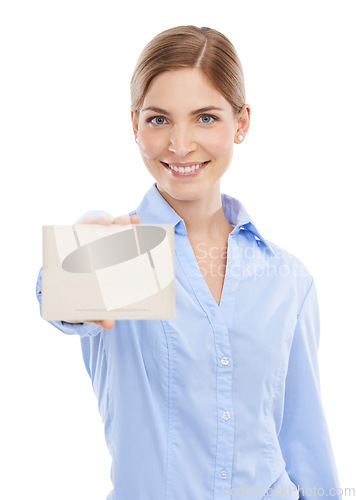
(181, 141)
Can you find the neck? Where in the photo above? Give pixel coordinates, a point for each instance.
(203, 217)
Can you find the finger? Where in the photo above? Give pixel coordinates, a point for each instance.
(127, 219)
(122, 219)
(89, 219)
(106, 323)
(103, 219)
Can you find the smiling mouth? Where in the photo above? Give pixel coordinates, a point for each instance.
(186, 170)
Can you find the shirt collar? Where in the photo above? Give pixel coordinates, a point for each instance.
(154, 209)
(237, 215)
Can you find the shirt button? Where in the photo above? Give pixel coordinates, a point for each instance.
(225, 361)
(226, 415)
(223, 474)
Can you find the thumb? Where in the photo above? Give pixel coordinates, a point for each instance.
(135, 219)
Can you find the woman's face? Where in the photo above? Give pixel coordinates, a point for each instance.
(178, 134)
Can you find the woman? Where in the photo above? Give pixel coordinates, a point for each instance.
(223, 400)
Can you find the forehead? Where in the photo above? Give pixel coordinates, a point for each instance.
(186, 87)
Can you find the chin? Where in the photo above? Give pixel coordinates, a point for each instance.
(183, 192)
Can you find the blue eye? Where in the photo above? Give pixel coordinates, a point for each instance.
(154, 118)
(209, 116)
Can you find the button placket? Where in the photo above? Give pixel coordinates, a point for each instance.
(226, 428)
(219, 317)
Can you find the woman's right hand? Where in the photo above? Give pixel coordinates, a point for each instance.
(107, 220)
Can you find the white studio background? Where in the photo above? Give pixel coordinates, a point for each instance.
(67, 147)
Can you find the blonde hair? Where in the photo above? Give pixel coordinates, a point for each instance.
(190, 47)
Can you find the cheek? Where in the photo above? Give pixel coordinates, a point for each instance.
(150, 143)
(220, 142)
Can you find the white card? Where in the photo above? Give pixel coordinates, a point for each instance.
(95, 272)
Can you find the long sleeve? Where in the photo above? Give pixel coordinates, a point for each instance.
(81, 329)
(304, 436)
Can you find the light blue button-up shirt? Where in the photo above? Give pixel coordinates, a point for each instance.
(224, 400)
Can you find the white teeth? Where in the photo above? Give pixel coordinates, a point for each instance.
(186, 169)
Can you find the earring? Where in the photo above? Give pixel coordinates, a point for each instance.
(241, 137)
(136, 139)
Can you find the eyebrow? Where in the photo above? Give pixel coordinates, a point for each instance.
(196, 111)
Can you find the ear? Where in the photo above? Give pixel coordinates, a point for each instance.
(134, 121)
(243, 123)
